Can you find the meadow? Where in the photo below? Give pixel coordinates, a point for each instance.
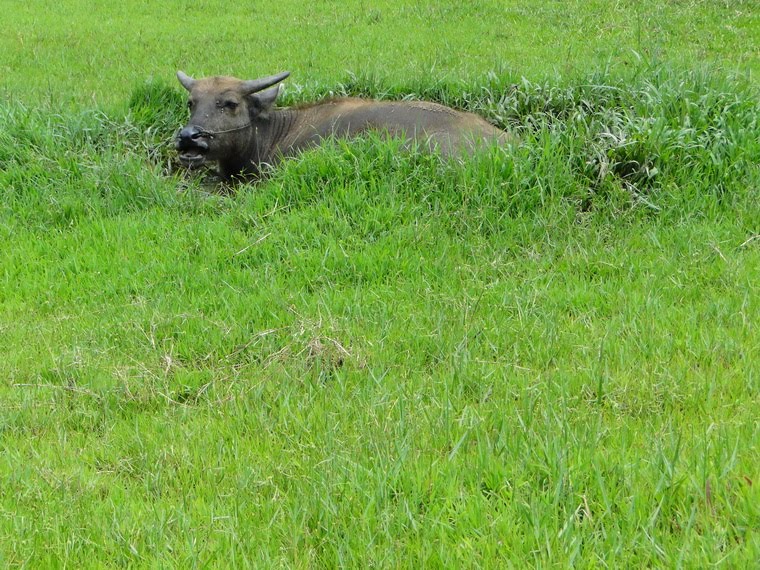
(546, 357)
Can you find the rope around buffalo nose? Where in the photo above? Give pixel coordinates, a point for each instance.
(211, 134)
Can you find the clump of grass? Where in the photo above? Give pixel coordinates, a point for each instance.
(60, 169)
(157, 106)
(157, 110)
(654, 132)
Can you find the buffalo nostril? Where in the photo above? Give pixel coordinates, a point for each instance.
(191, 136)
(191, 133)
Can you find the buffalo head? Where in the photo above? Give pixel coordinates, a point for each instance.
(223, 111)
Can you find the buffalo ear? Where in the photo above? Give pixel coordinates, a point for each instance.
(186, 81)
(263, 101)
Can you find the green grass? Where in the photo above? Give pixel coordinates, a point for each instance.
(74, 51)
(547, 357)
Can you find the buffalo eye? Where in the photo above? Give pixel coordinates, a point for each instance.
(226, 104)
(190, 104)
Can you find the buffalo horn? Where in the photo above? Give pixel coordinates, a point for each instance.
(186, 81)
(255, 85)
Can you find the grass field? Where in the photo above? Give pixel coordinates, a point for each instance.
(547, 357)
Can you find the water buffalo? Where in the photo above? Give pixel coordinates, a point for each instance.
(234, 122)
